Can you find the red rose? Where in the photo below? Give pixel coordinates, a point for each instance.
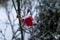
(27, 21)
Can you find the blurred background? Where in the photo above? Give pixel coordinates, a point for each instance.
(29, 19)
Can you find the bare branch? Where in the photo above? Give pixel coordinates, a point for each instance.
(19, 13)
(3, 35)
(14, 5)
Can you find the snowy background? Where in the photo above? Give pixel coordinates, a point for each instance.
(4, 23)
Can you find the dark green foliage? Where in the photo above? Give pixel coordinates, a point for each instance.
(49, 17)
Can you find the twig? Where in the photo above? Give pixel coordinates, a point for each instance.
(8, 16)
(21, 29)
(3, 36)
(14, 5)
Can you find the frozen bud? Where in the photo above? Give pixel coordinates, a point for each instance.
(18, 16)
